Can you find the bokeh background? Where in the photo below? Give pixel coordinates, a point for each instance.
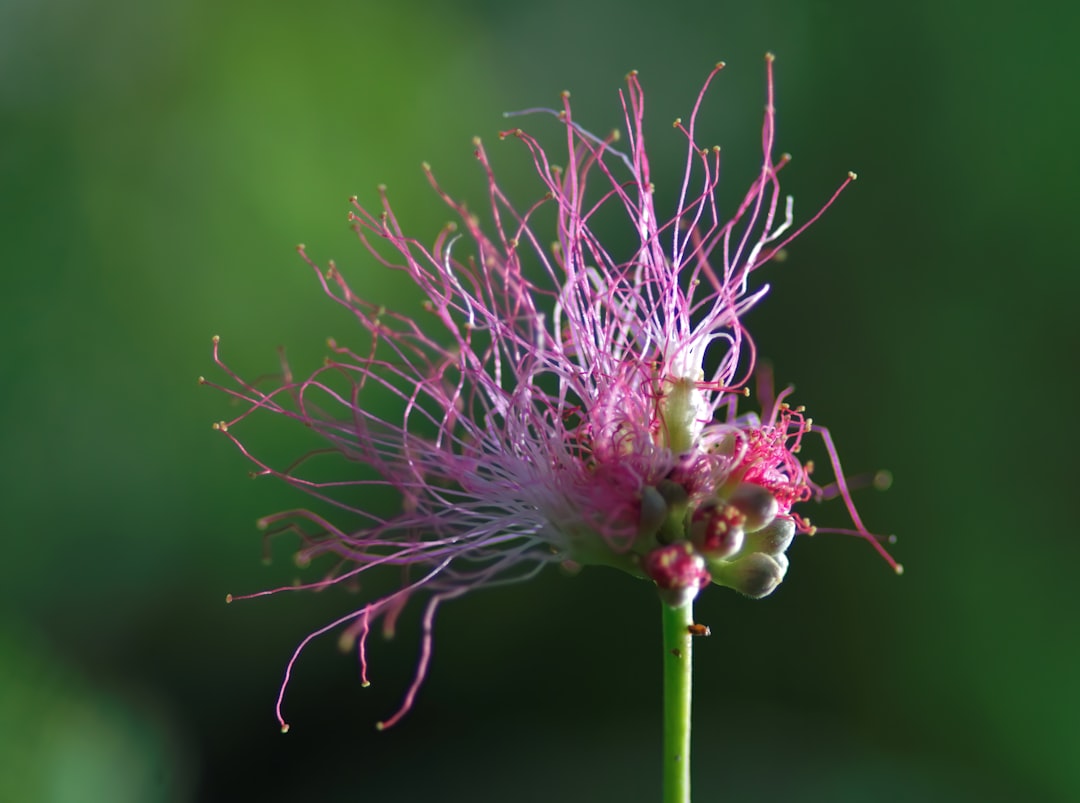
(159, 162)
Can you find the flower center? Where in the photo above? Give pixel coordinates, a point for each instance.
(682, 413)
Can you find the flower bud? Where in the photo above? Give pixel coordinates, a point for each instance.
(717, 530)
(676, 498)
(679, 572)
(756, 503)
(773, 539)
(757, 575)
(654, 510)
(673, 493)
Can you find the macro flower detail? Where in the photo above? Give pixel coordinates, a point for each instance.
(678, 570)
(570, 402)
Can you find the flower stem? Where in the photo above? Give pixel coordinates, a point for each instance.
(677, 687)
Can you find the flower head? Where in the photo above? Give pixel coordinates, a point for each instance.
(561, 402)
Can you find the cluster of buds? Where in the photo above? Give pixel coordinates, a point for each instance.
(742, 539)
(733, 532)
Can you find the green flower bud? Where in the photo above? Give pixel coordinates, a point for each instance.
(673, 493)
(756, 503)
(773, 539)
(672, 528)
(756, 575)
(654, 510)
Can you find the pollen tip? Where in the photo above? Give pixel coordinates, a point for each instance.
(364, 684)
(380, 726)
(852, 175)
(353, 199)
(565, 94)
(301, 247)
(261, 524)
(200, 380)
(883, 480)
(632, 74)
(284, 727)
(228, 599)
(380, 187)
(721, 65)
(786, 156)
(216, 339)
(770, 56)
(677, 122)
(899, 568)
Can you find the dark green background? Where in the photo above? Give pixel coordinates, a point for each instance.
(159, 162)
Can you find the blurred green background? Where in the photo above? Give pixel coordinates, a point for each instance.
(158, 163)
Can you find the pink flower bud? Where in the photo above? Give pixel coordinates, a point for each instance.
(679, 572)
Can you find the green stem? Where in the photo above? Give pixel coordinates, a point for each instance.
(677, 686)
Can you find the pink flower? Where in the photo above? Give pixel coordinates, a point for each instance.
(557, 404)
